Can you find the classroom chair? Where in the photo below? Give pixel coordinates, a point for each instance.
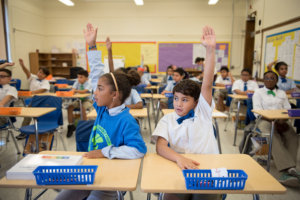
(82, 134)
(16, 83)
(154, 76)
(140, 88)
(49, 122)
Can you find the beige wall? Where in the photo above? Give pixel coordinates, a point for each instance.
(272, 12)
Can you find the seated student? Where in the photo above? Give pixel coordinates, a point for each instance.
(169, 75)
(82, 85)
(146, 74)
(116, 133)
(189, 129)
(37, 84)
(244, 85)
(222, 80)
(197, 77)
(8, 93)
(200, 63)
(284, 83)
(144, 79)
(178, 75)
(285, 139)
(134, 101)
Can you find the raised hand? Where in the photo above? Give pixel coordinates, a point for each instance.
(108, 43)
(90, 34)
(208, 37)
(7, 64)
(21, 62)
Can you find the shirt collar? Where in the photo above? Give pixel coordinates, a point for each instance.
(116, 110)
(3, 86)
(266, 89)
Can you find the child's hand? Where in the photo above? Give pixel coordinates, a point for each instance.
(186, 163)
(21, 62)
(90, 34)
(209, 37)
(108, 43)
(94, 154)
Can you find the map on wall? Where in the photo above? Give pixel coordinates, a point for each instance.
(285, 46)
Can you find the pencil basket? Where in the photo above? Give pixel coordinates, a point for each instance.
(65, 175)
(295, 94)
(228, 86)
(64, 93)
(169, 95)
(201, 179)
(250, 95)
(294, 112)
(10, 111)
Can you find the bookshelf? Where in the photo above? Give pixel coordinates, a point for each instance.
(59, 64)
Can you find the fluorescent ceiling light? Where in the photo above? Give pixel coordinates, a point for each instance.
(67, 2)
(139, 2)
(212, 2)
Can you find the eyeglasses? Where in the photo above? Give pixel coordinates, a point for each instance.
(270, 79)
(3, 76)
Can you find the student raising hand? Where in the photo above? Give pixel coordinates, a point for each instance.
(90, 34)
(208, 37)
(108, 43)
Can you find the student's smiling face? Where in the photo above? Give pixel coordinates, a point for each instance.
(270, 80)
(183, 103)
(224, 73)
(41, 75)
(282, 71)
(103, 94)
(4, 78)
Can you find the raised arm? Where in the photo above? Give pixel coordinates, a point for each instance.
(209, 41)
(110, 57)
(7, 64)
(270, 65)
(26, 71)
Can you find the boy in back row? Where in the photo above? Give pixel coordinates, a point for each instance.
(189, 129)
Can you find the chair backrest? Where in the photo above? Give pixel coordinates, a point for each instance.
(62, 81)
(16, 83)
(140, 88)
(249, 115)
(49, 101)
(162, 88)
(83, 131)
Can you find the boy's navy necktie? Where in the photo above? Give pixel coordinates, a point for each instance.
(226, 79)
(170, 78)
(1, 86)
(245, 86)
(187, 116)
(39, 80)
(283, 80)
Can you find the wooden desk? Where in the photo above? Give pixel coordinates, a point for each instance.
(239, 98)
(216, 115)
(156, 80)
(34, 113)
(146, 95)
(289, 96)
(113, 175)
(152, 87)
(219, 87)
(162, 175)
(273, 115)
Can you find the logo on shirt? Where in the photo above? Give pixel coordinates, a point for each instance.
(97, 140)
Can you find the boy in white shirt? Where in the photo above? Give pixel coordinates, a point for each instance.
(244, 85)
(285, 139)
(225, 78)
(189, 129)
(8, 94)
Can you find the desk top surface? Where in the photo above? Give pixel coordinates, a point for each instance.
(31, 112)
(112, 174)
(274, 114)
(238, 96)
(76, 95)
(162, 175)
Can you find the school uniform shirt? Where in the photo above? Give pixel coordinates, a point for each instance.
(36, 84)
(285, 84)
(264, 101)
(147, 75)
(225, 81)
(6, 90)
(170, 86)
(193, 135)
(144, 80)
(167, 78)
(195, 79)
(240, 84)
(85, 86)
(133, 98)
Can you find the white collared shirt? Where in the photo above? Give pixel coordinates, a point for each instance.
(35, 84)
(116, 110)
(193, 135)
(264, 101)
(239, 85)
(227, 80)
(133, 98)
(8, 90)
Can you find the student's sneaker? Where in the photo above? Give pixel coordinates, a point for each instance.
(71, 129)
(293, 172)
(289, 181)
(21, 136)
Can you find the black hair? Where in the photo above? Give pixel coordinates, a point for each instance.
(198, 59)
(169, 67)
(123, 82)
(147, 68)
(83, 73)
(182, 72)
(189, 88)
(134, 77)
(268, 72)
(45, 71)
(277, 66)
(7, 71)
(246, 70)
(224, 68)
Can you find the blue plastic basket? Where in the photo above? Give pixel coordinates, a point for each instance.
(201, 179)
(169, 95)
(65, 175)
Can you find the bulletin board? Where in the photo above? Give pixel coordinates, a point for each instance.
(284, 46)
(130, 53)
(183, 54)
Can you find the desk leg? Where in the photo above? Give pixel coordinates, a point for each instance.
(256, 197)
(270, 145)
(80, 106)
(157, 112)
(161, 196)
(228, 118)
(28, 194)
(36, 135)
(236, 121)
(153, 109)
(218, 135)
(148, 113)
(148, 196)
(120, 195)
